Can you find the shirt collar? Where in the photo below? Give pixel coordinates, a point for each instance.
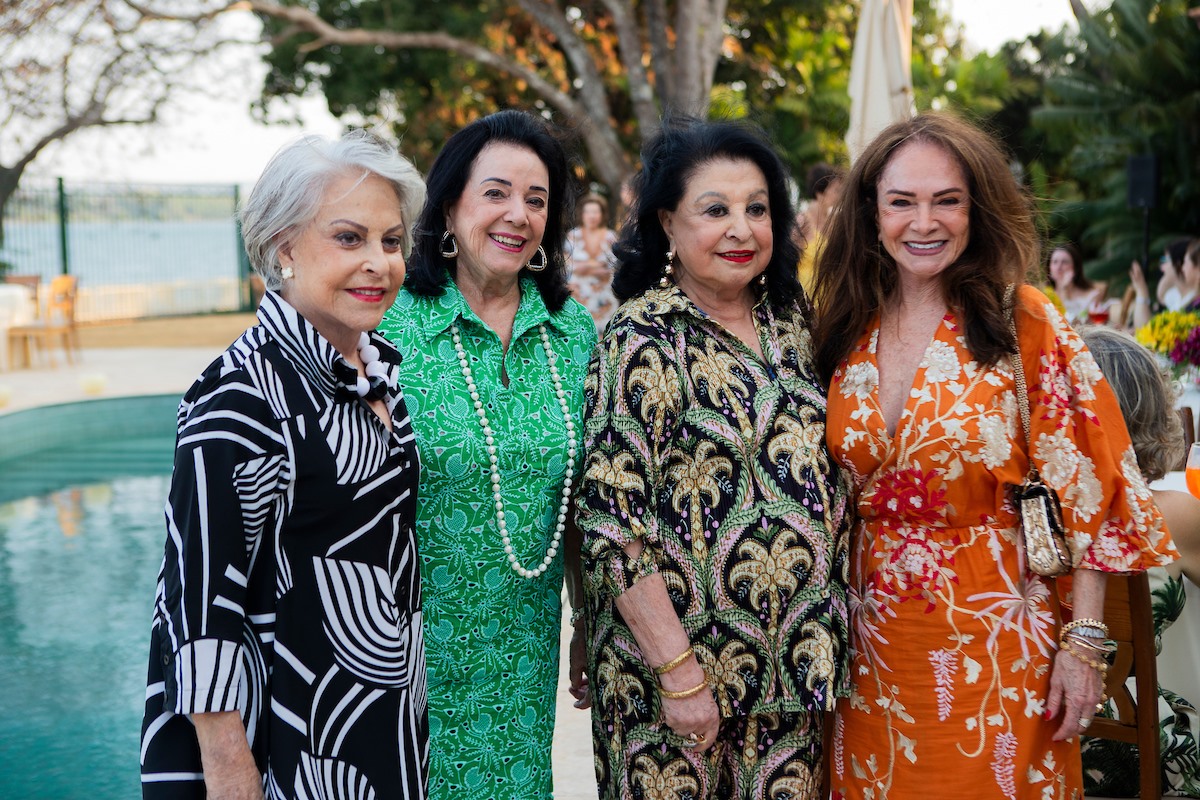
(313, 356)
(450, 307)
(672, 298)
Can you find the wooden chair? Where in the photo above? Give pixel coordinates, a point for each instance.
(32, 282)
(1187, 418)
(57, 321)
(1130, 623)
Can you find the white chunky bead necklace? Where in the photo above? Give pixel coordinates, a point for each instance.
(489, 439)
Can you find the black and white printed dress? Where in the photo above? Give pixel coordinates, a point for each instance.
(290, 588)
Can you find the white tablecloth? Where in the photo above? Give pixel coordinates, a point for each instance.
(16, 308)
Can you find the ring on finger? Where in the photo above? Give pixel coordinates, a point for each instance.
(696, 738)
(1085, 721)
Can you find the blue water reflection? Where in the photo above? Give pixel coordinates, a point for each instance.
(77, 573)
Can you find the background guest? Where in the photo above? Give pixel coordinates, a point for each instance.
(494, 357)
(714, 521)
(286, 654)
(955, 667)
(1110, 768)
(590, 259)
(824, 186)
(1079, 295)
(1173, 292)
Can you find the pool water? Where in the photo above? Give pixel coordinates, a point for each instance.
(81, 539)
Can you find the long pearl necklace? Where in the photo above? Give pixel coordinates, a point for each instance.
(489, 439)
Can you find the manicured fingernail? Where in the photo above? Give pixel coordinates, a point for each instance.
(1048, 715)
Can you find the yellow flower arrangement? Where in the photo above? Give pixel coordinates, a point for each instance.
(1054, 298)
(1167, 329)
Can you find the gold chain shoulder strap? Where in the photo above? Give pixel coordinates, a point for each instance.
(1019, 370)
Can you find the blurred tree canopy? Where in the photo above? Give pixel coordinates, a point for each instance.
(785, 63)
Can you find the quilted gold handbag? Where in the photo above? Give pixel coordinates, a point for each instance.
(1042, 531)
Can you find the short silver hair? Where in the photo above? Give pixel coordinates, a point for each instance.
(292, 186)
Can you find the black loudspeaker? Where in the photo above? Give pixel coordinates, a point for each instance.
(1143, 181)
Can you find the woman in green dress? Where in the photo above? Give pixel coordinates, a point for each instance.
(495, 353)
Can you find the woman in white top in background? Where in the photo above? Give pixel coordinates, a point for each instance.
(1175, 291)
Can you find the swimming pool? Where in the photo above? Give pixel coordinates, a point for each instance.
(81, 538)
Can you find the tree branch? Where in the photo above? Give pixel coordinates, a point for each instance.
(629, 41)
(327, 34)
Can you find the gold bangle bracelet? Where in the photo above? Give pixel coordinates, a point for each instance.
(1103, 647)
(697, 689)
(674, 662)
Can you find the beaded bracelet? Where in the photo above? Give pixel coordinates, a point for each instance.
(1085, 623)
(674, 662)
(576, 615)
(697, 689)
(1099, 666)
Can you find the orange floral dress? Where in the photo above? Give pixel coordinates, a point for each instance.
(952, 638)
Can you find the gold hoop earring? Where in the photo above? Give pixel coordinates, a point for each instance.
(538, 267)
(452, 252)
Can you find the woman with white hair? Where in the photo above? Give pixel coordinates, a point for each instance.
(286, 656)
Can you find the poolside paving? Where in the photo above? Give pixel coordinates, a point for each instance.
(164, 356)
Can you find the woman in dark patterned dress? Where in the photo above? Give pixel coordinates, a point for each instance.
(713, 518)
(286, 657)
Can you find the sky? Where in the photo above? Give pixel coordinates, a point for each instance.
(215, 139)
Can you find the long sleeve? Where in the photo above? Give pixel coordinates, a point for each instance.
(229, 466)
(632, 406)
(1082, 449)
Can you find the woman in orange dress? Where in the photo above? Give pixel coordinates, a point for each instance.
(963, 684)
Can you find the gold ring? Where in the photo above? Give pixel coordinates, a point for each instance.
(1099, 707)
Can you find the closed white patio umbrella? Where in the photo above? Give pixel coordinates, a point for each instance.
(880, 71)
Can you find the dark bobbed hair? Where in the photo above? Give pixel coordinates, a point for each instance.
(428, 272)
(680, 148)
(1192, 252)
(1176, 251)
(819, 177)
(1078, 279)
(856, 276)
(1146, 397)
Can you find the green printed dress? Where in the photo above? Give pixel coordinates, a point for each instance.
(492, 636)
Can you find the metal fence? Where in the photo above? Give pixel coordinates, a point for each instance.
(139, 250)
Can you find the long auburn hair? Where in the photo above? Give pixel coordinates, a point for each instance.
(856, 276)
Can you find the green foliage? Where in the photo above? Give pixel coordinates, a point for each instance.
(423, 95)
(1128, 84)
(793, 71)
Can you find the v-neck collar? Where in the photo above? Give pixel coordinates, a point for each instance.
(918, 382)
